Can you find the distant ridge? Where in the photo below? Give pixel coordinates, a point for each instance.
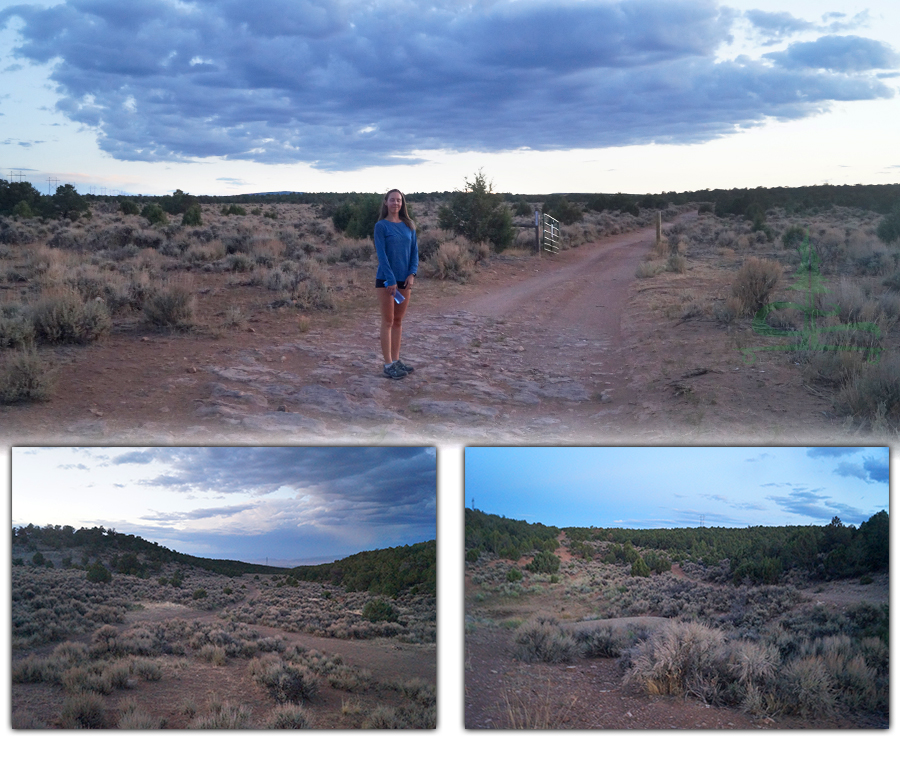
(280, 192)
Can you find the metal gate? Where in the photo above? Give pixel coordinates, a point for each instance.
(550, 238)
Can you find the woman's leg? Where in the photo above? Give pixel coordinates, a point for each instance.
(387, 305)
(397, 323)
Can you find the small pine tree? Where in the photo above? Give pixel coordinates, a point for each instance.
(478, 214)
(379, 610)
(639, 568)
(96, 572)
(192, 217)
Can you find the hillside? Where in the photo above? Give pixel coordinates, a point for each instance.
(654, 629)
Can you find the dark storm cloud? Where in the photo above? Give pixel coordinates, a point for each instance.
(338, 487)
(344, 85)
(871, 470)
(879, 470)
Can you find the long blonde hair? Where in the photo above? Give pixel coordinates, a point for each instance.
(404, 211)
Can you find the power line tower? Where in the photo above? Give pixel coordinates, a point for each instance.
(52, 181)
(16, 176)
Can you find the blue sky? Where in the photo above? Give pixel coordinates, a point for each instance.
(678, 487)
(226, 96)
(287, 505)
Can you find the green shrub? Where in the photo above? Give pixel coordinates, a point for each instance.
(192, 217)
(523, 208)
(357, 218)
(199, 593)
(513, 575)
(544, 563)
(379, 610)
(129, 207)
(23, 210)
(793, 236)
(888, 229)
(563, 210)
(96, 572)
(639, 568)
(234, 210)
(153, 213)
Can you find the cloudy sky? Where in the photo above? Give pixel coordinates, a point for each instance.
(226, 96)
(287, 505)
(678, 487)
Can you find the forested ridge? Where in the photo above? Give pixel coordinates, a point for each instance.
(386, 571)
(759, 554)
(138, 556)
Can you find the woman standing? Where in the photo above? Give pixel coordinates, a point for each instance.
(398, 261)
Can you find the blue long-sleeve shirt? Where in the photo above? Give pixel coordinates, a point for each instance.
(398, 251)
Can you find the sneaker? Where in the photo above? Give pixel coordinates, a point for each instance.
(394, 371)
(405, 367)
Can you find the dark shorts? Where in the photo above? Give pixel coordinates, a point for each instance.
(381, 283)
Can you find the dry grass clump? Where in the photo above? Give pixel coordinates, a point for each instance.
(649, 269)
(171, 306)
(542, 639)
(84, 711)
(453, 260)
(754, 284)
(677, 660)
(25, 377)
(63, 316)
(288, 717)
(223, 716)
(872, 391)
(133, 717)
(286, 683)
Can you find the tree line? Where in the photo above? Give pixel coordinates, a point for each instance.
(385, 571)
(764, 554)
(506, 538)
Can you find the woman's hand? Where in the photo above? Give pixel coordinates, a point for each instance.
(392, 289)
(410, 281)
